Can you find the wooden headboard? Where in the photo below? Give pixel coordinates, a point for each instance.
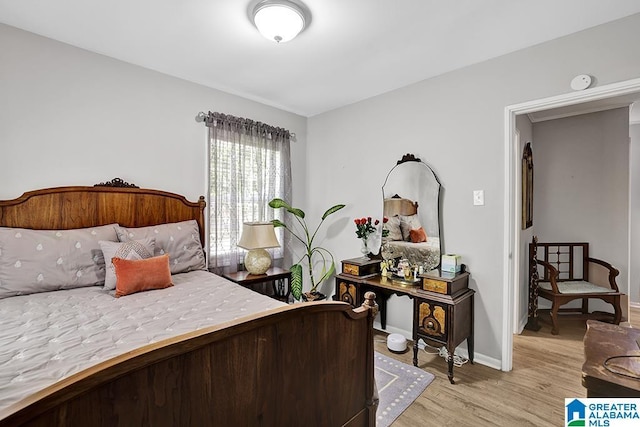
(63, 208)
(396, 205)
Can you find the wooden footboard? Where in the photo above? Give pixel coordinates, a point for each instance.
(307, 364)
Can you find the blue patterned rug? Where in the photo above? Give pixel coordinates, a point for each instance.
(398, 385)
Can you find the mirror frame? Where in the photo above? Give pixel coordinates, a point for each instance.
(412, 158)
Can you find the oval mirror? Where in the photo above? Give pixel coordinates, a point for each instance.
(411, 194)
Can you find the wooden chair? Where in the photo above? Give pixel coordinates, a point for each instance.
(568, 273)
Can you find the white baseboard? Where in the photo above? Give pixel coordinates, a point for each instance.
(392, 330)
(461, 351)
(522, 324)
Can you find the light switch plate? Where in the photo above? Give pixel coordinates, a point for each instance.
(478, 197)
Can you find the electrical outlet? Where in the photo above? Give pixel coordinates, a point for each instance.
(478, 197)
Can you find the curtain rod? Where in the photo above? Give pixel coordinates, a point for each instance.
(201, 116)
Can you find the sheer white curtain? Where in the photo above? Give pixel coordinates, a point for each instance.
(249, 164)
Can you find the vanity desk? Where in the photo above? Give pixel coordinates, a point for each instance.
(410, 239)
(442, 306)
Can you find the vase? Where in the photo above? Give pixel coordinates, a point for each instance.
(365, 247)
(386, 251)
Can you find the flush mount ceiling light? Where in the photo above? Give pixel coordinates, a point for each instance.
(280, 20)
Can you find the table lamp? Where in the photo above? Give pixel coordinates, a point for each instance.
(256, 236)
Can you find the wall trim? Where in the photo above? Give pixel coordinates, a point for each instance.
(511, 218)
(392, 330)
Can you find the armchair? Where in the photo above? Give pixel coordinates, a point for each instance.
(568, 273)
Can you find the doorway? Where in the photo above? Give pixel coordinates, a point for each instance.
(513, 239)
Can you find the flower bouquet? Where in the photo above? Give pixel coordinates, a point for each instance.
(366, 229)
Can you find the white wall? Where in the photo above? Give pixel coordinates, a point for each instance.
(581, 184)
(634, 223)
(72, 117)
(455, 122)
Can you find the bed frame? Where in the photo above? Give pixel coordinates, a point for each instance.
(301, 364)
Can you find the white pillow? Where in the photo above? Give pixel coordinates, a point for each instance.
(408, 223)
(47, 260)
(181, 240)
(131, 250)
(393, 225)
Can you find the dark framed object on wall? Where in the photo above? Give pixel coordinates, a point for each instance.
(527, 187)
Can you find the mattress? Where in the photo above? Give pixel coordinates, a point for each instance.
(49, 336)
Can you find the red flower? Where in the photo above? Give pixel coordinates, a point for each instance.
(365, 226)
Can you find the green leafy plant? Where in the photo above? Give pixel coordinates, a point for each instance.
(312, 253)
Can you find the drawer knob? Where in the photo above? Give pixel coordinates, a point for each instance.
(431, 325)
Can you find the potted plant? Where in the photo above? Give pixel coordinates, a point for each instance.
(313, 254)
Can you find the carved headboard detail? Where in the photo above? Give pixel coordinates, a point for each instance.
(116, 182)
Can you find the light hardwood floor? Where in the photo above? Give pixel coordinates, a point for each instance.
(546, 369)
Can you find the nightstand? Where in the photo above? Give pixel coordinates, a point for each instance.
(280, 281)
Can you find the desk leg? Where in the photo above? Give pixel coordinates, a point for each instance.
(288, 294)
(470, 337)
(279, 288)
(415, 352)
(382, 297)
(383, 311)
(450, 363)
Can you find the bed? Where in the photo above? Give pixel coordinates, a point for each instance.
(204, 351)
(409, 236)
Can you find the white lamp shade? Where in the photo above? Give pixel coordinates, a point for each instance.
(279, 21)
(258, 235)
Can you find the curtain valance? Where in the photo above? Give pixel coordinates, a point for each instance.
(245, 126)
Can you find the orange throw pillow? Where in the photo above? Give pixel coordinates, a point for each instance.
(418, 235)
(137, 275)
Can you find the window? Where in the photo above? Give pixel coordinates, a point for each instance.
(249, 164)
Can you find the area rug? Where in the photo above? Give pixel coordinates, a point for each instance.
(399, 385)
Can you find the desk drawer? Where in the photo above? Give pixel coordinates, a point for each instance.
(434, 285)
(361, 267)
(347, 292)
(447, 284)
(432, 319)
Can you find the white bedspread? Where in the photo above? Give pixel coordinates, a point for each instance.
(49, 336)
(426, 253)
